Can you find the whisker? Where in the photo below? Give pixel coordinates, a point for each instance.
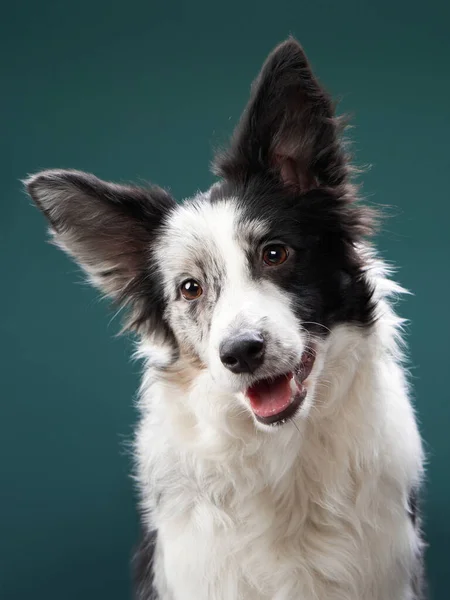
(295, 425)
(317, 324)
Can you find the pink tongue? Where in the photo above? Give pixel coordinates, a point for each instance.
(269, 398)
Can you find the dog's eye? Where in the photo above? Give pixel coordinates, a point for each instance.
(191, 289)
(275, 255)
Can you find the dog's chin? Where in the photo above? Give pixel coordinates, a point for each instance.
(276, 400)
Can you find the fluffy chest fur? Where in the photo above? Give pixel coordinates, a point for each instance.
(321, 513)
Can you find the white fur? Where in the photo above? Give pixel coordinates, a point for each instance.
(212, 233)
(313, 510)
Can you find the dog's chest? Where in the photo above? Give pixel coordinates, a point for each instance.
(277, 545)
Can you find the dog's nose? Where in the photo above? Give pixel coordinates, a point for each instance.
(243, 353)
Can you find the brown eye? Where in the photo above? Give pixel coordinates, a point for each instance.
(191, 289)
(275, 255)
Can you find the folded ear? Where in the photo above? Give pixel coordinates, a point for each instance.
(287, 128)
(108, 229)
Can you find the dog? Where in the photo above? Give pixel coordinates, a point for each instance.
(277, 455)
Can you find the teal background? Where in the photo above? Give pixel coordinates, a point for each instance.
(141, 90)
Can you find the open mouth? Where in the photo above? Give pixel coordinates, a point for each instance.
(273, 400)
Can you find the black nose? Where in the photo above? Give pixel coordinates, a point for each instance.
(242, 353)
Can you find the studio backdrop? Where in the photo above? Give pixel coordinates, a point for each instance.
(144, 91)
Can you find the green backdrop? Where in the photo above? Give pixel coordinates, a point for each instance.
(137, 90)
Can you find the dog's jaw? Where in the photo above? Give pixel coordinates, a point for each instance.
(275, 400)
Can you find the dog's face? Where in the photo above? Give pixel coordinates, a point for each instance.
(249, 278)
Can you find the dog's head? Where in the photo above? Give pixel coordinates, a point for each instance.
(250, 277)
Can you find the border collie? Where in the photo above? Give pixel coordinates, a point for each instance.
(277, 456)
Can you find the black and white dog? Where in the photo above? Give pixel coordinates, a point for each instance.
(278, 456)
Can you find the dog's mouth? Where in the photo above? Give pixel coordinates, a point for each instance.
(275, 400)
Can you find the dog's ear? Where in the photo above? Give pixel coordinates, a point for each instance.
(108, 229)
(287, 128)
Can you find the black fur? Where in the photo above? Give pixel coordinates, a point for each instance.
(143, 568)
(112, 225)
(413, 506)
(289, 115)
(325, 273)
(420, 587)
(289, 127)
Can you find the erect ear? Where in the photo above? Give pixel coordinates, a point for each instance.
(108, 229)
(288, 127)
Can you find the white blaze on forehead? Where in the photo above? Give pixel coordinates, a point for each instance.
(214, 236)
(213, 243)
